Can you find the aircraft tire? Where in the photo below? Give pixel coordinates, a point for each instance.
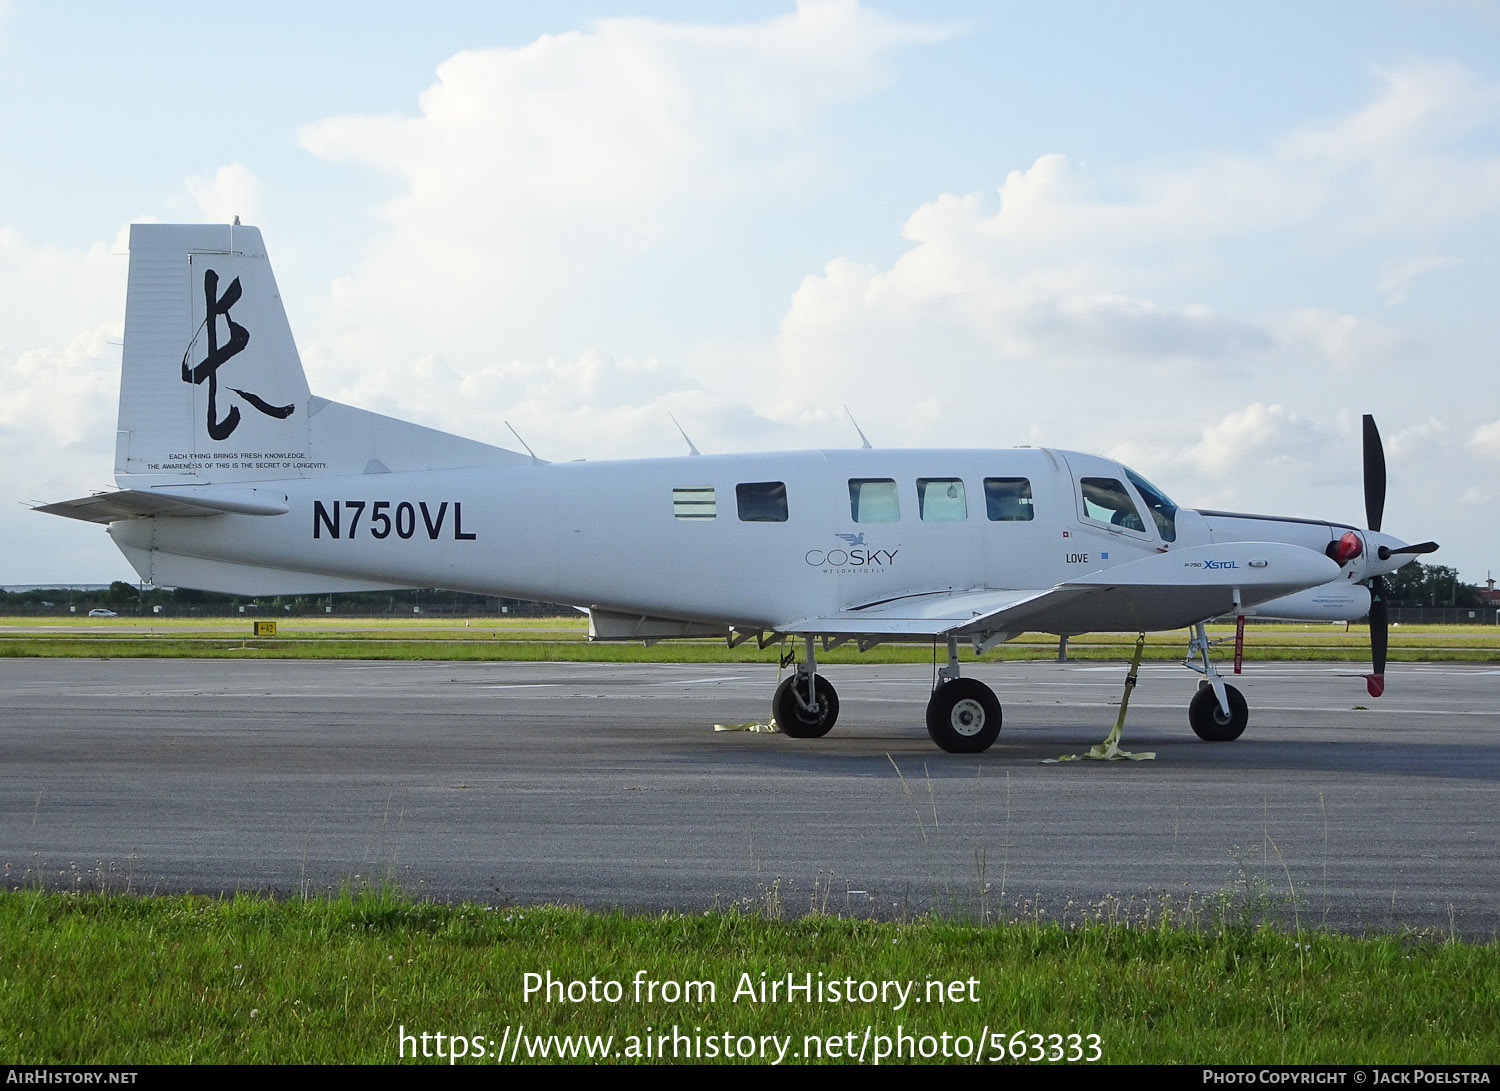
(793, 719)
(963, 716)
(1208, 719)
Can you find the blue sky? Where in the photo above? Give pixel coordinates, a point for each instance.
(1201, 238)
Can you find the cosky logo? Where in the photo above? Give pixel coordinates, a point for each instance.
(853, 557)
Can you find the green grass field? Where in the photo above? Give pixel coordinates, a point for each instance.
(92, 979)
(565, 639)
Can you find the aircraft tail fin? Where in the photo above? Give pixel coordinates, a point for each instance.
(212, 387)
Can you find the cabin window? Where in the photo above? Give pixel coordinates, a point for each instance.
(941, 500)
(873, 500)
(1162, 510)
(1106, 500)
(1008, 499)
(694, 502)
(761, 501)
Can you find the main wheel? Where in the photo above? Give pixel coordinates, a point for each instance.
(1208, 719)
(800, 722)
(963, 716)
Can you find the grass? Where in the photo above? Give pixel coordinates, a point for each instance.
(118, 979)
(565, 640)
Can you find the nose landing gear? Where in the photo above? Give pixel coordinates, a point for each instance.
(1217, 712)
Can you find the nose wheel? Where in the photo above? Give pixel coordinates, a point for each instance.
(1209, 720)
(1217, 712)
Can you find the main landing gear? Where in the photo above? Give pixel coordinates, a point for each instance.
(963, 714)
(1217, 712)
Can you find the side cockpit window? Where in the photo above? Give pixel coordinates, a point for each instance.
(762, 501)
(1007, 499)
(1163, 511)
(1106, 500)
(873, 500)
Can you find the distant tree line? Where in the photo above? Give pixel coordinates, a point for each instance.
(1415, 584)
(1419, 584)
(126, 599)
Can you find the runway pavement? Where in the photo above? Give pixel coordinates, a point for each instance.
(606, 785)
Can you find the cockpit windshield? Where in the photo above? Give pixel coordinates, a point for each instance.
(1162, 509)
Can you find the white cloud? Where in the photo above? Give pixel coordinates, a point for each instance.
(1041, 282)
(1486, 440)
(1399, 166)
(1424, 104)
(1271, 437)
(58, 399)
(60, 324)
(1245, 460)
(1055, 288)
(232, 190)
(1426, 436)
(533, 175)
(45, 288)
(635, 114)
(59, 363)
(1346, 341)
(1396, 275)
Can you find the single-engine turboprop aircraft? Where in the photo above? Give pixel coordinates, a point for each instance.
(234, 477)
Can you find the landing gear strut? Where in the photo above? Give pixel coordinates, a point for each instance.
(805, 705)
(1217, 712)
(963, 714)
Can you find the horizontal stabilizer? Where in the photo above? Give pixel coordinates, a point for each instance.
(177, 501)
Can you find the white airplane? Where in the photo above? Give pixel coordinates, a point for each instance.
(234, 477)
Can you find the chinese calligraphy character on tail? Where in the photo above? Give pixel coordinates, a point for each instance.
(218, 355)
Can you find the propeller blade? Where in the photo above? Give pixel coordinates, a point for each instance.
(1386, 553)
(1379, 635)
(1374, 475)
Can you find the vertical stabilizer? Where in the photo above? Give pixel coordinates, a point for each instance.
(212, 387)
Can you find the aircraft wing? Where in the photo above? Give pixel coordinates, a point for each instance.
(1164, 591)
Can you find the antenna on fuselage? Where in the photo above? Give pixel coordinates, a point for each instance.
(535, 461)
(692, 450)
(863, 442)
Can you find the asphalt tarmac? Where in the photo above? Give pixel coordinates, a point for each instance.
(607, 785)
